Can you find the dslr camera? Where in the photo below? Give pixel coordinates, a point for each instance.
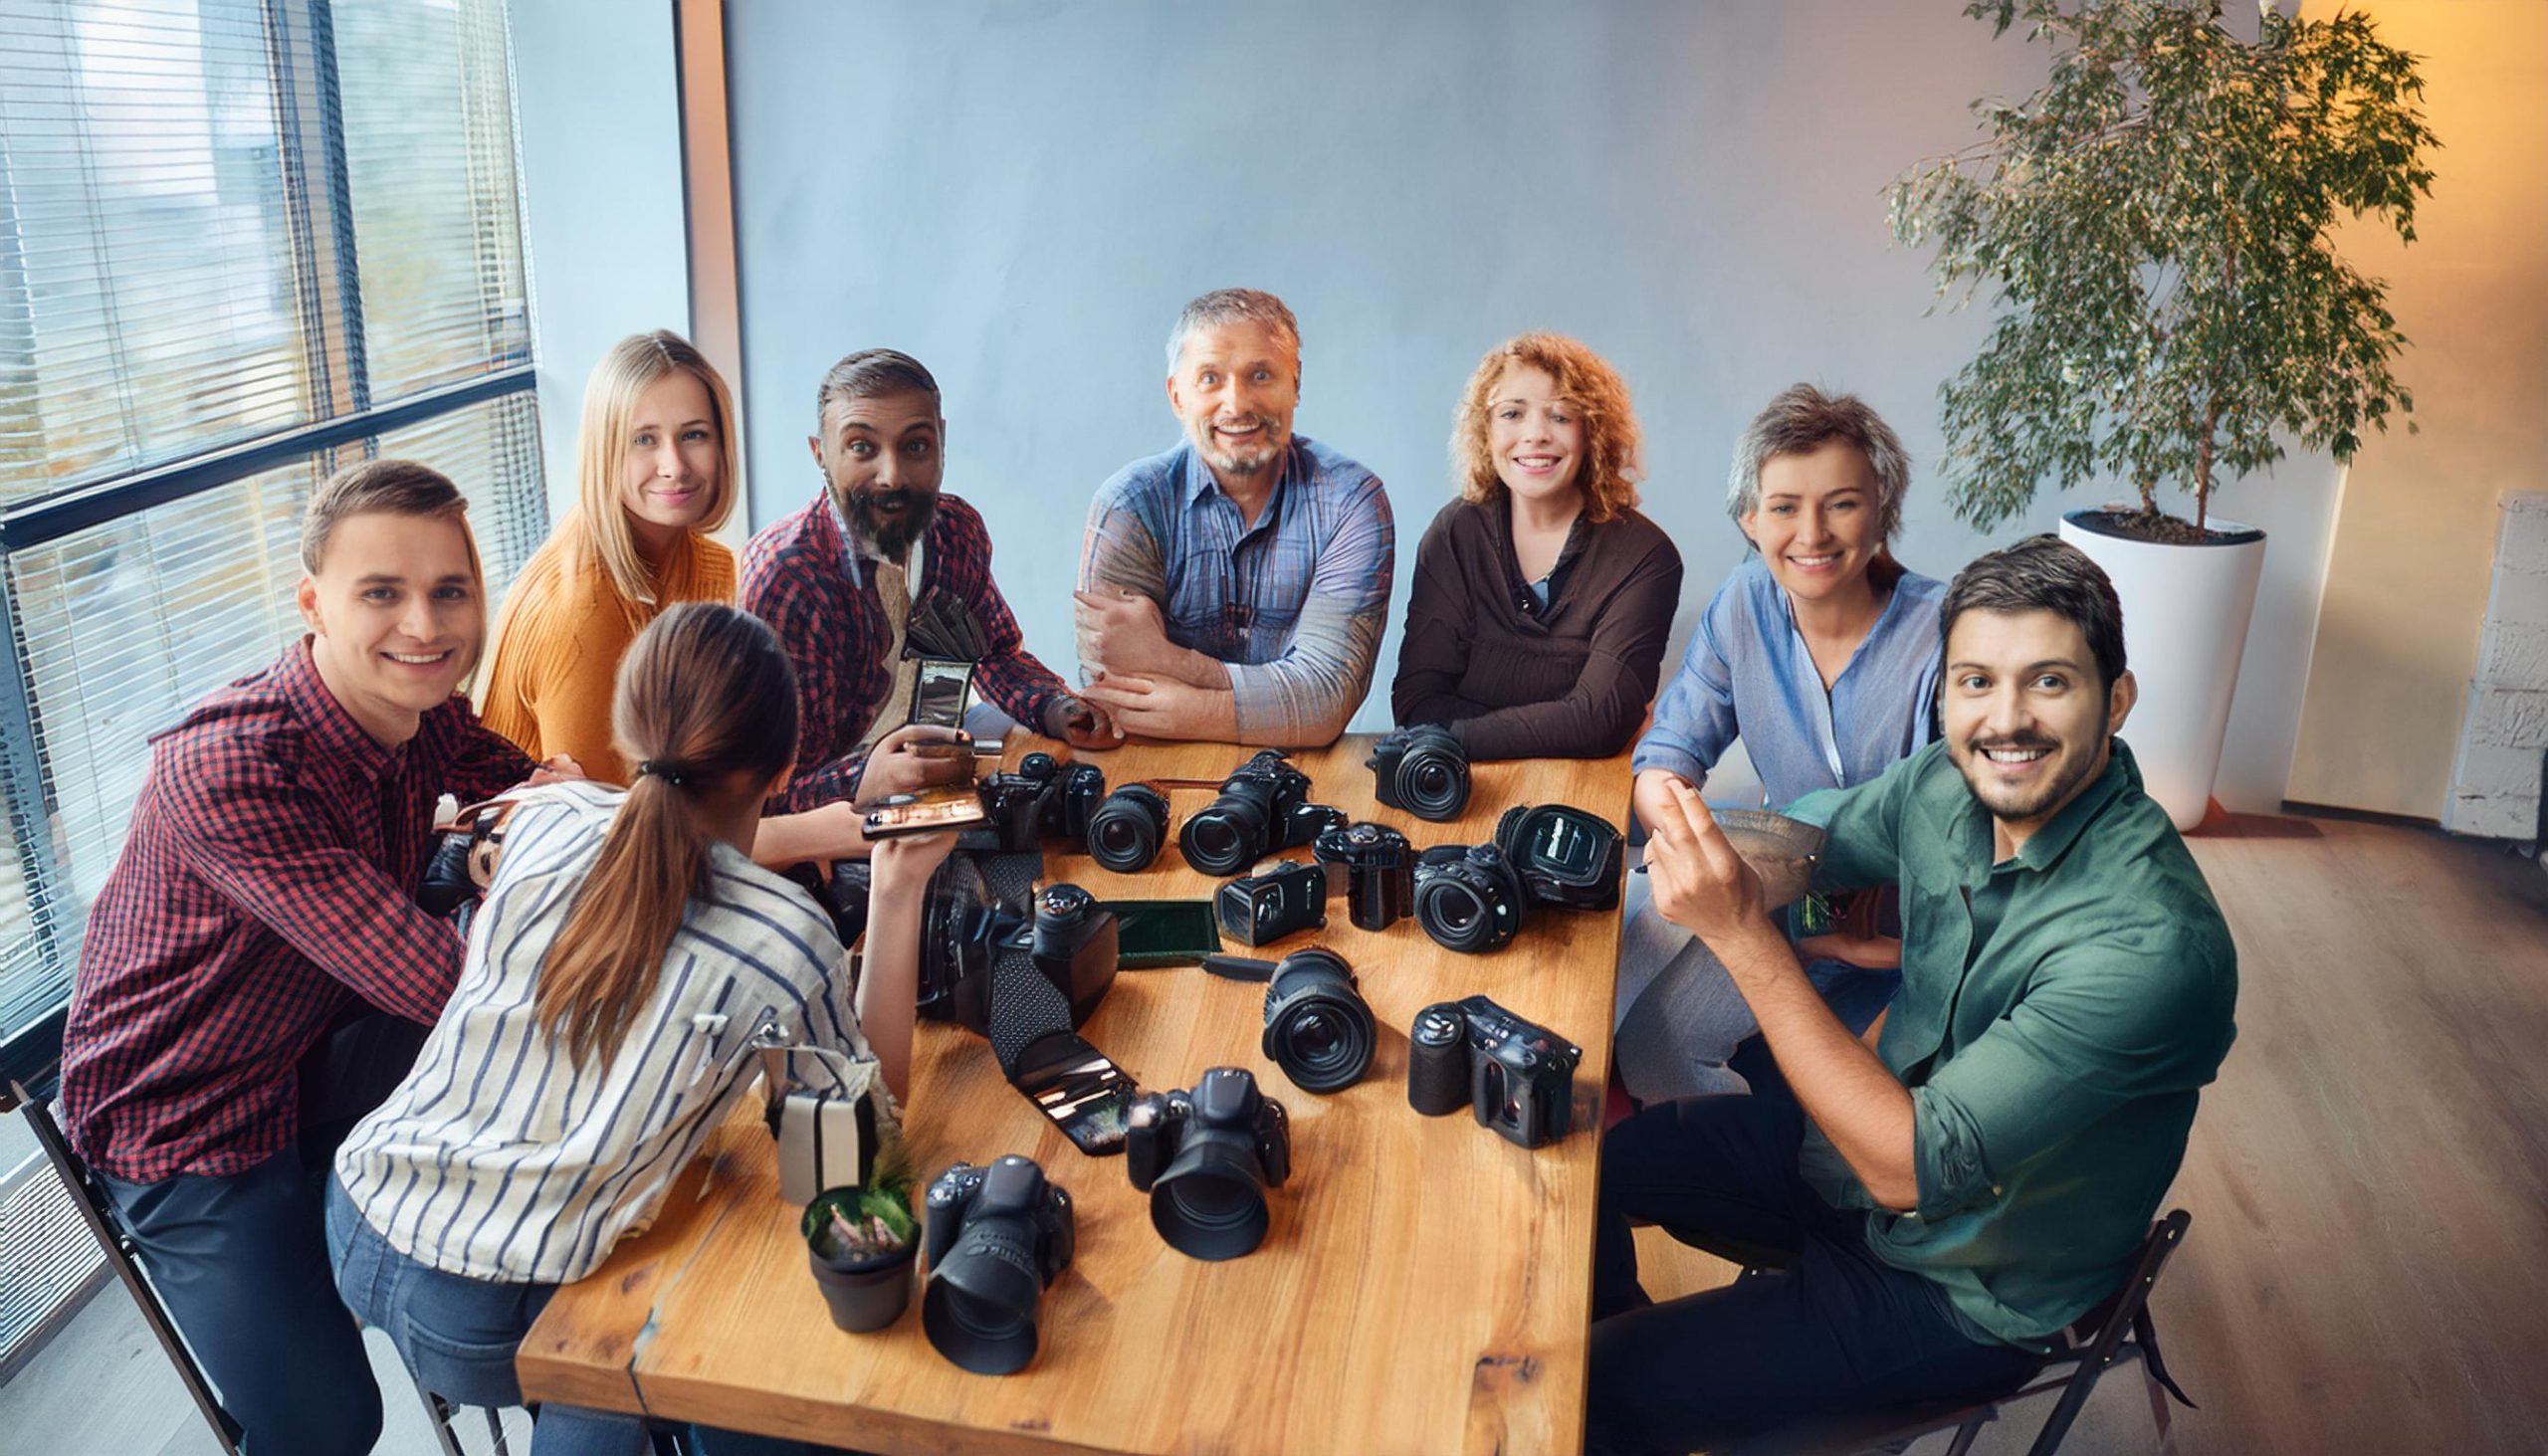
(1206, 1157)
(1318, 1028)
(1422, 769)
(1262, 807)
(982, 923)
(1375, 868)
(997, 1238)
(1474, 897)
(1282, 898)
(1516, 1077)
(1044, 797)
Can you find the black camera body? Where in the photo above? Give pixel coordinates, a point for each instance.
(1422, 769)
(996, 1238)
(1263, 806)
(1043, 798)
(1373, 867)
(1515, 1075)
(1468, 898)
(1206, 1157)
(1281, 899)
(1563, 855)
(976, 935)
(1318, 1028)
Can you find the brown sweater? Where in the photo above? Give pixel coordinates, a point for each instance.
(1516, 680)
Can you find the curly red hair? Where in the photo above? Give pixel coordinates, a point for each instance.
(1612, 465)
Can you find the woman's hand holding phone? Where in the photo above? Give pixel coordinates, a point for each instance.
(911, 759)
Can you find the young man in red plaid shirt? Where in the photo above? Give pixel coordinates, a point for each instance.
(837, 581)
(256, 971)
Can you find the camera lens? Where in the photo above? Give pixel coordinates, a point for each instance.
(1318, 1028)
(1467, 905)
(1125, 831)
(1434, 788)
(1211, 1213)
(1224, 838)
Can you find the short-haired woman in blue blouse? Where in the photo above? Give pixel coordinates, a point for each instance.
(1820, 652)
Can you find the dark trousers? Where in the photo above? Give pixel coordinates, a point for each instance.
(1836, 1331)
(241, 1261)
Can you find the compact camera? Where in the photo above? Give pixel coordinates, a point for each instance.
(1373, 867)
(1516, 1077)
(982, 924)
(997, 1238)
(1422, 769)
(1318, 1028)
(1282, 898)
(1263, 806)
(1206, 1157)
(1474, 897)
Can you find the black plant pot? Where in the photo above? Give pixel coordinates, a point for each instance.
(869, 1295)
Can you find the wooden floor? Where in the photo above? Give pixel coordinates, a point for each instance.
(2368, 1268)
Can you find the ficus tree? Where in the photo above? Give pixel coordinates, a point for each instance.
(2155, 227)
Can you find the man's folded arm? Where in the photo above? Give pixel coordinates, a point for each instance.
(1305, 697)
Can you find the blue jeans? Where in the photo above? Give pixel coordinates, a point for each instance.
(1680, 1016)
(1836, 1330)
(457, 1336)
(243, 1269)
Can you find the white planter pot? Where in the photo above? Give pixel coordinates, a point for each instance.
(2185, 627)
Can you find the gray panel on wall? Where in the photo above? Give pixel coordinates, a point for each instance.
(1021, 194)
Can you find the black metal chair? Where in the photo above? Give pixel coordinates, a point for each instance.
(2117, 1331)
(90, 1198)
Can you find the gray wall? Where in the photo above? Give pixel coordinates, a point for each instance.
(597, 103)
(1021, 194)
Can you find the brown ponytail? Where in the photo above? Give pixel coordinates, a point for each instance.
(705, 706)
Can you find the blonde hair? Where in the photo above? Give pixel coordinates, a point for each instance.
(600, 524)
(1611, 456)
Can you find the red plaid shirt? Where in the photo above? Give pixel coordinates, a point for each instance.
(796, 578)
(268, 881)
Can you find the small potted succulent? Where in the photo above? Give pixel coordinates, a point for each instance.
(2156, 226)
(862, 1243)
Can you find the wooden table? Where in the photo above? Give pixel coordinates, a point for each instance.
(1426, 1286)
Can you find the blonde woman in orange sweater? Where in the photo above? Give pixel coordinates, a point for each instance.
(654, 475)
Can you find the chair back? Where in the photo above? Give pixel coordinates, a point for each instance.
(89, 1196)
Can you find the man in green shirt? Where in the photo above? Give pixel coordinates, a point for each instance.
(1978, 1173)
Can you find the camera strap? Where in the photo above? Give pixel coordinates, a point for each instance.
(1240, 967)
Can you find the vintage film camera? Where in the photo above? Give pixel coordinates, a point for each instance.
(996, 1239)
(1206, 1157)
(1474, 897)
(1422, 769)
(1516, 1077)
(1373, 867)
(1263, 806)
(1283, 897)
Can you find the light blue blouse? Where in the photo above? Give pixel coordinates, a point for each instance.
(1748, 673)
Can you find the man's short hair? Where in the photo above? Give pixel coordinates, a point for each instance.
(391, 487)
(871, 373)
(1804, 419)
(2044, 573)
(1233, 306)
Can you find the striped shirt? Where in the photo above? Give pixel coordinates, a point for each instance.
(1748, 673)
(1294, 605)
(499, 1157)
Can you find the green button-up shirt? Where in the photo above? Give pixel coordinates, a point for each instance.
(2058, 1011)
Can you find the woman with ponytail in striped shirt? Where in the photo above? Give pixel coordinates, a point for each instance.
(626, 952)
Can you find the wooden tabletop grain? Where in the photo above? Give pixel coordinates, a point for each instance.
(1426, 1286)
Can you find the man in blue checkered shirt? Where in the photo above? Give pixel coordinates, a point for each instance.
(1235, 588)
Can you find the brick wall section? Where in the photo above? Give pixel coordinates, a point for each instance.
(2495, 782)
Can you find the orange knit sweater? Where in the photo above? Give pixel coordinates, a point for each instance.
(556, 659)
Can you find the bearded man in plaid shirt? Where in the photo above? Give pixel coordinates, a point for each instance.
(257, 973)
(838, 581)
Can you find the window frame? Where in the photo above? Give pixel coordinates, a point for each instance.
(325, 268)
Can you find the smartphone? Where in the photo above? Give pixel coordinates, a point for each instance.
(949, 806)
(937, 695)
(1157, 933)
(1080, 1090)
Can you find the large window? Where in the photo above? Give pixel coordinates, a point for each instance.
(242, 243)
